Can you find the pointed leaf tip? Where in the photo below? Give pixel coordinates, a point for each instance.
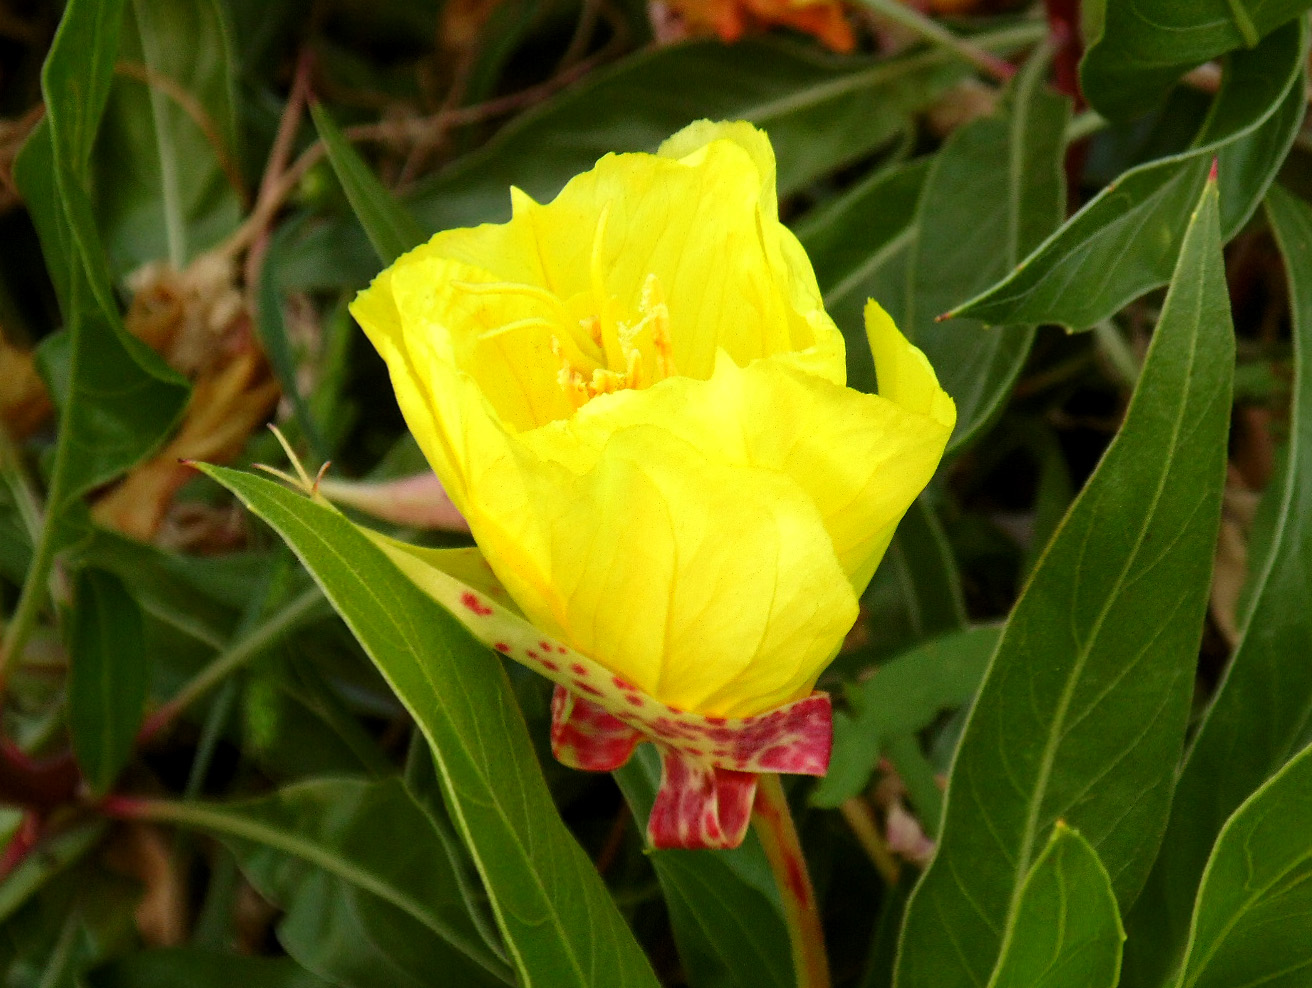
(1211, 174)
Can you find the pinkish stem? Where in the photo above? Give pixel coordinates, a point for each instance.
(773, 823)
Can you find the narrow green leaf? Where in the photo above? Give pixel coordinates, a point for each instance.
(724, 905)
(165, 164)
(560, 924)
(922, 237)
(170, 967)
(915, 594)
(390, 229)
(120, 398)
(1261, 711)
(1137, 49)
(1066, 929)
(993, 193)
(109, 676)
(1124, 242)
(272, 327)
(369, 895)
(820, 112)
(903, 697)
(1253, 921)
(859, 244)
(1082, 713)
(52, 856)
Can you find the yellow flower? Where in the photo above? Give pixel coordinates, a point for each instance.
(635, 397)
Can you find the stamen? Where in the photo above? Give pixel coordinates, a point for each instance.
(518, 324)
(511, 288)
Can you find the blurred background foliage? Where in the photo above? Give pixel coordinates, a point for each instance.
(175, 274)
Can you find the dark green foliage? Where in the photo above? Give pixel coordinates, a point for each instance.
(251, 752)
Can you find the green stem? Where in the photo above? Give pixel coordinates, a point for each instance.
(773, 823)
(297, 611)
(913, 20)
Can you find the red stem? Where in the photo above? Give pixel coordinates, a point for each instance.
(1064, 21)
(773, 823)
(37, 784)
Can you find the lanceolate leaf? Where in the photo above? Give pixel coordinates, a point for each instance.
(1125, 241)
(1138, 48)
(560, 924)
(166, 154)
(369, 896)
(1263, 708)
(1251, 925)
(390, 229)
(993, 193)
(922, 237)
(109, 675)
(820, 113)
(1082, 712)
(1067, 930)
(859, 244)
(724, 905)
(120, 399)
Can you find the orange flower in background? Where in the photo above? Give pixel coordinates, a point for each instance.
(731, 19)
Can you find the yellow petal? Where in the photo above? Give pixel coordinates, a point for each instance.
(701, 133)
(711, 586)
(905, 375)
(860, 459)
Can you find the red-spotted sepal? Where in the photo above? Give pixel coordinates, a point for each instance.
(584, 735)
(708, 764)
(700, 805)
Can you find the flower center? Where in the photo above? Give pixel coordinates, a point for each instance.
(608, 354)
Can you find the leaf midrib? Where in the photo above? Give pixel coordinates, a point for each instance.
(457, 808)
(1052, 743)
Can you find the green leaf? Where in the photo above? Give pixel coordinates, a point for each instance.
(1067, 930)
(1124, 242)
(1251, 924)
(390, 229)
(1138, 49)
(993, 193)
(272, 327)
(1083, 710)
(165, 158)
(915, 594)
(50, 858)
(197, 968)
(560, 924)
(859, 244)
(821, 112)
(369, 894)
(724, 905)
(109, 676)
(1260, 712)
(119, 398)
(904, 696)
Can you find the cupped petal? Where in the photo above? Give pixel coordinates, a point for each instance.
(905, 375)
(696, 224)
(688, 575)
(860, 459)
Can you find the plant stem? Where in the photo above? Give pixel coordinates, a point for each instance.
(932, 31)
(297, 611)
(773, 823)
(861, 819)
